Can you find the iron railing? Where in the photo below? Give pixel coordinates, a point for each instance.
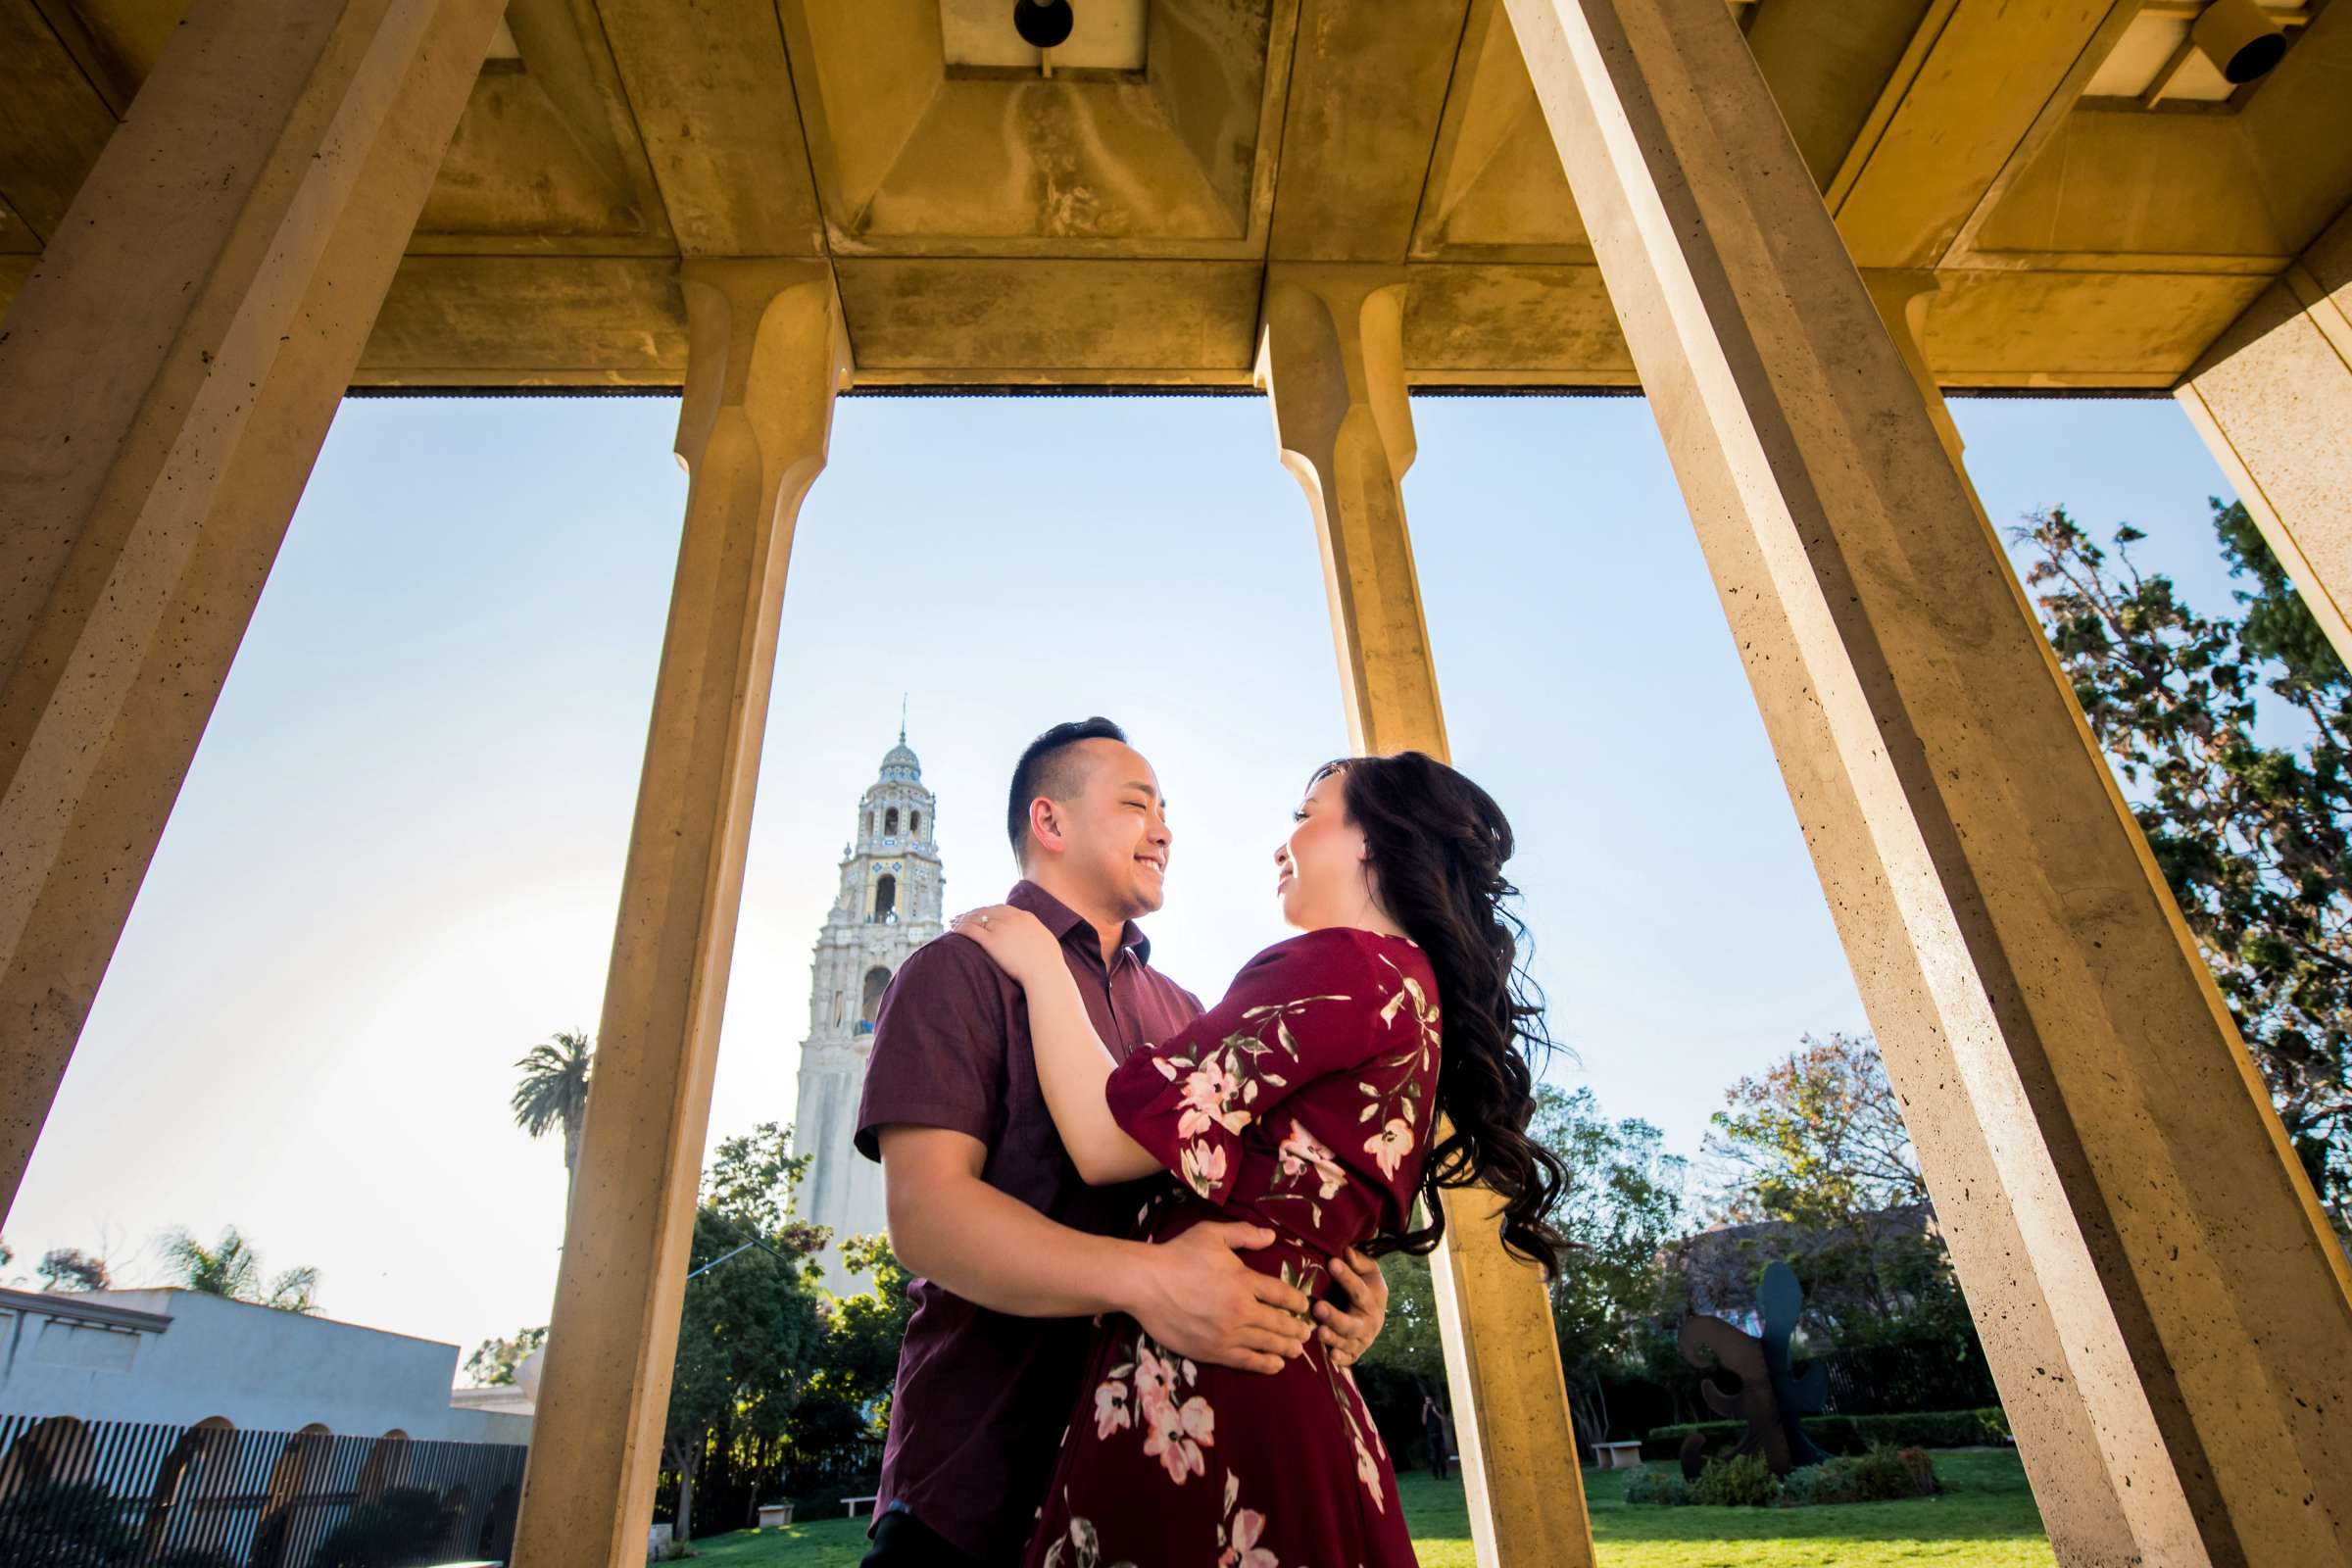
(135, 1495)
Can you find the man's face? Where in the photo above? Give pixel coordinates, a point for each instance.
(1114, 830)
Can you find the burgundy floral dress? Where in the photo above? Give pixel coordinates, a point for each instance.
(1301, 1102)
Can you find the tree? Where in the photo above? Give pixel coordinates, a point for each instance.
(1817, 1141)
(850, 1384)
(493, 1362)
(69, 1268)
(1622, 1206)
(1409, 1343)
(1816, 1148)
(2252, 838)
(867, 1329)
(752, 1327)
(231, 1267)
(554, 1092)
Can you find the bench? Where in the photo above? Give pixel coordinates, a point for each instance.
(852, 1502)
(1618, 1455)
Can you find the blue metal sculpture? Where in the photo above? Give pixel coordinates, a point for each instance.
(1771, 1398)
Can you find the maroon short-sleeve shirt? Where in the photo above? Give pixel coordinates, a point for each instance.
(981, 1399)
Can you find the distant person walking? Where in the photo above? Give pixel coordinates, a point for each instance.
(1436, 1429)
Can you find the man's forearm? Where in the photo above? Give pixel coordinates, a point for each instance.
(995, 1250)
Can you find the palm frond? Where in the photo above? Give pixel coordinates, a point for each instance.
(554, 1088)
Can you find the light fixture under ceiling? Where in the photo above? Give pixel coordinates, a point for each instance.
(2184, 52)
(999, 35)
(1043, 24)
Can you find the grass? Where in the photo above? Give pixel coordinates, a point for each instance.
(1985, 1519)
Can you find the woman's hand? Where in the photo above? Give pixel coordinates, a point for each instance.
(1016, 940)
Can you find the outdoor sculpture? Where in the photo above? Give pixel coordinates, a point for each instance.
(1770, 1398)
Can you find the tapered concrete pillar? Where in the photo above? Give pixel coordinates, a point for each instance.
(166, 380)
(2022, 962)
(1331, 359)
(2080, 1480)
(765, 356)
(2273, 398)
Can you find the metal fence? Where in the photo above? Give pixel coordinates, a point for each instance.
(132, 1495)
(858, 1460)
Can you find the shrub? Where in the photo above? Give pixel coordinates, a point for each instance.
(1664, 1487)
(63, 1522)
(1924, 1480)
(1881, 1475)
(1933, 1428)
(407, 1525)
(1739, 1480)
(1853, 1433)
(815, 1502)
(1830, 1481)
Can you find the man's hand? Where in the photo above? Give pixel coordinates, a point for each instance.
(1200, 1300)
(1349, 1333)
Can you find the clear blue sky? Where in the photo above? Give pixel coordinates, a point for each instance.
(394, 864)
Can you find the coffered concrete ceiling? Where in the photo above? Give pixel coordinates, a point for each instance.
(1105, 212)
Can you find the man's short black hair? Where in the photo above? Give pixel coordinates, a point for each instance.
(1049, 768)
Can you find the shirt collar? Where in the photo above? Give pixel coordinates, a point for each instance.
(1060, 919)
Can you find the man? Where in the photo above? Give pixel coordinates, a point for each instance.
(1014, 1251)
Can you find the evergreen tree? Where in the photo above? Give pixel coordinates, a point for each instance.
(2250, 835)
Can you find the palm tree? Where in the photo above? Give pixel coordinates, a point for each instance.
(231, 1267)
(554, 1092)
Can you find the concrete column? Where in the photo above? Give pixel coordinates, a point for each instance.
(2080, 1481)
(765, 356)
(166, 380)
(2025, 968)
(1332, 360)
(2273, 398)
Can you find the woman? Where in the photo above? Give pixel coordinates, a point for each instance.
(1306, 1100)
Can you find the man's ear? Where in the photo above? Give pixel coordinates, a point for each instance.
(1046, 825)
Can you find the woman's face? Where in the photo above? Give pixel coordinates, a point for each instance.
(1320, 873)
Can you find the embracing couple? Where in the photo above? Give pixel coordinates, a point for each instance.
(1145, 1230)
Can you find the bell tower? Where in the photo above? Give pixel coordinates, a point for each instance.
(887, 906)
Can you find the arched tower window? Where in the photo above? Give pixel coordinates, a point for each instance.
(915, 823)
(876, 979)
(886, 897)
(889, 823)
(869, 824)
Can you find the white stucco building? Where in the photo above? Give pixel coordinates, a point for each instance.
(180, 1357)
(888, 904)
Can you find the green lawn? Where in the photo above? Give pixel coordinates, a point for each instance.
(1985, 1519)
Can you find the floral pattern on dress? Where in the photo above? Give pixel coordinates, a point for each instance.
(1177, 1428)
(1303, 1101)
(1239, 1531)
(1221, 1084)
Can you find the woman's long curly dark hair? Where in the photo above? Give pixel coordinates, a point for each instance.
(1437, 844)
